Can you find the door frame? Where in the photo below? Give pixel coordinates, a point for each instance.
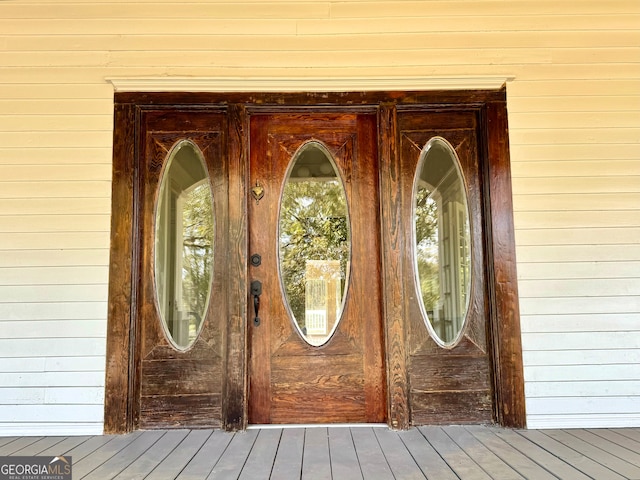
(489, 106)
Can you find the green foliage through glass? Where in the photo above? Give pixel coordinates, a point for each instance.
(314, 248)
(442, 240)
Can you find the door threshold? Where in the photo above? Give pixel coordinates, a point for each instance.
(315, 425)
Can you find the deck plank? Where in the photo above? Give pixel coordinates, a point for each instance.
(631, 456)
(616, 438)
(18, 444)
(5, 440)
(117, 463)
(517, 460)
(541, 456)
(344, 461)
(485, 458)
(610, 461)
(455, 457)
(174, 463)
(262, 457)
(36, 447)
(65, 445)
(429, 461)
(576, 459)
(103, 453)
(202, 463)
(86, 448)
(398, 457)
(632, 433)
(146, 463)
(316, 463)
(373, 463)
(234, 457)
(288, 462)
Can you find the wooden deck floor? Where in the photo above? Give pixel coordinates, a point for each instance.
(441, 453)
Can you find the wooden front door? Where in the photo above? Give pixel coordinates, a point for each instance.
(292, 379)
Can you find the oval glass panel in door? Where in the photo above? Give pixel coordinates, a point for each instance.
(184, 235)
(314, 243)
(442, 239)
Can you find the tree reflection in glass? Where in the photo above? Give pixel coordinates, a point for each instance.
(441, 229)
(184, 244)
(314, 243)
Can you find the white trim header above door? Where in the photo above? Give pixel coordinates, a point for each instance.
(305, 84)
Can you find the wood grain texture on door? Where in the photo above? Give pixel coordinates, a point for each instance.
(448, 384)
(375, 140)
(179, 387)
(343, 380)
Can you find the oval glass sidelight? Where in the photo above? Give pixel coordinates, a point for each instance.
(184, 237)
(441, 241)
(314, 243)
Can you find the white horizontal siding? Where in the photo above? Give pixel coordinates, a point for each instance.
(577, 212)
(70, 258)
(618, 235)
(574, 113)
(575, 270)
(54, 330)
(592, 358)
(54, 386)
(54, 237)
(45, 241)
(621, 372)
(53, 395)
(54, 275)
(52, 379)
(55, 206)
(78, 310)
(67, 413)
(53, 364)
(563, 323)
(594, 305)
(59, 189)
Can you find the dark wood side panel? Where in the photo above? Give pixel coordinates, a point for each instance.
(234, 405)
(438, 408)
(393, 244)
(503, 279)
(433, 396)
(450, 372)
(117, 415)
(174, 385)
(189, 410)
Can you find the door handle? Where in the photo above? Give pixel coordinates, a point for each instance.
(256, 291)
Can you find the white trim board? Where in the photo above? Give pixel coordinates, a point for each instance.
(28, 429)
(554, 421)
(305, 84)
